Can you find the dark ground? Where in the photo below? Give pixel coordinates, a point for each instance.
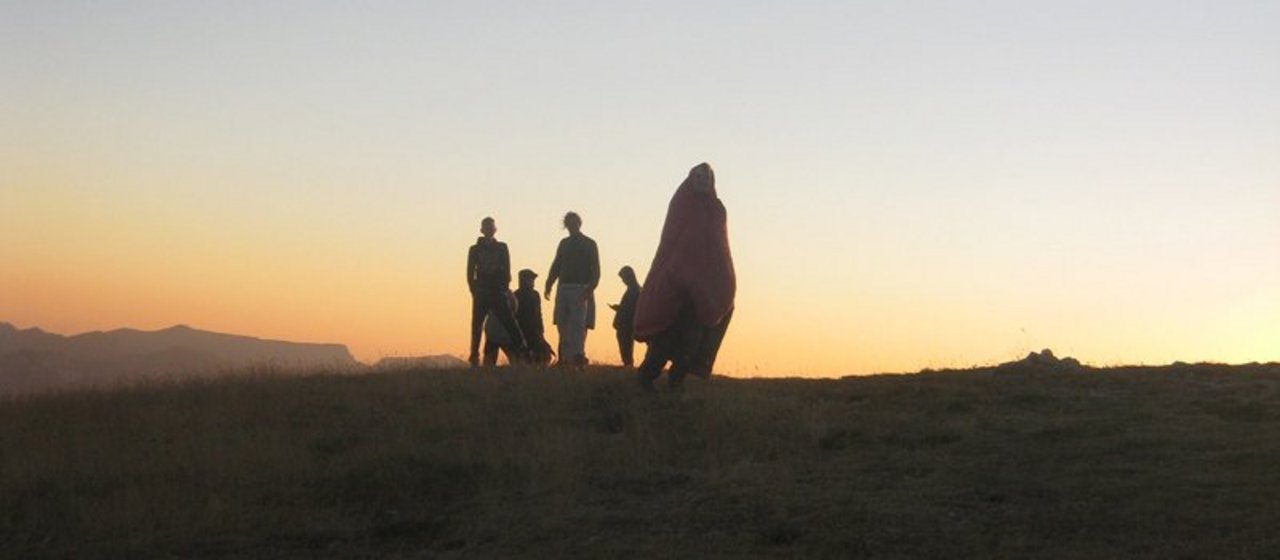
(1043, 462)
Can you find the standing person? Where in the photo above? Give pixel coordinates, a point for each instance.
(529, 316)
(624, 320)
(488, 278)
(687, 302)
(577, 267)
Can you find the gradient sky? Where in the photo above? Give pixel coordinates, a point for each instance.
(909, 184)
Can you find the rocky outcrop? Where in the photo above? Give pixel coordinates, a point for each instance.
(1042, 361)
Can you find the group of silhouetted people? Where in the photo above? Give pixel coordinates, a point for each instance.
(512, 322)
(682, 311)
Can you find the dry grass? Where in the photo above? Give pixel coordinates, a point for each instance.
(1149, 463)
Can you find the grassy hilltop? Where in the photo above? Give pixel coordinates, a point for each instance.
(1180, 462)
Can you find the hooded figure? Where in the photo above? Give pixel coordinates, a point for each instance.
(687, 300)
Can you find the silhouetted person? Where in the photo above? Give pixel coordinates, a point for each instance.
(529, 316)
(625, 314)
(488, 277)
(577, 267)
(497, 338)
(687, 302)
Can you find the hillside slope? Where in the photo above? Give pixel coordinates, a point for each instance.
(1146, 463)
(33, 360)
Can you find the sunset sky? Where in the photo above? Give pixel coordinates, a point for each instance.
(909, 184)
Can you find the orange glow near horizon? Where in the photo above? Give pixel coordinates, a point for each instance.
(908, 186)
(138, 269)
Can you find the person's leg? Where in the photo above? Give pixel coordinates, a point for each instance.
(659, 350)
(578, 320)
(626, 347)
(622, 351)
(687, 337)
(680, 364)
(562, 338)
(539, 351)
(478, 311)
(559, 316)
(704, 358)
(582, 346)
(655, 358)
(490, 353)
(588, 318)
(579, 345)
(573, 322)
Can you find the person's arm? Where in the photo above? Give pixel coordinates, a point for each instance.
(595, 266)
(553, 274)
(628, 305)
(471, 269)
(506, 265)
(537, 313)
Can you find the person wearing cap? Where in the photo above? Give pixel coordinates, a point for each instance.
(577, 267)
(529, 316)
(489, 278)
(624, 319)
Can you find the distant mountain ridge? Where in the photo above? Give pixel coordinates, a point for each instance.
(33, 359)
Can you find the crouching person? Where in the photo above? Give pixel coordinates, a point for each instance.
(529, 317)
(497, 338)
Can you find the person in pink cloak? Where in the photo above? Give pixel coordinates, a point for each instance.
(687, 301)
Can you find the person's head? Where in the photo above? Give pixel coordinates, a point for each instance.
(488, 227)
(704, 179)
(573, 222)
(526, 278)
(628, 276)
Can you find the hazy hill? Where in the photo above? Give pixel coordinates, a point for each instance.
(32, 359)
(13, 339)
(1038, 459)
